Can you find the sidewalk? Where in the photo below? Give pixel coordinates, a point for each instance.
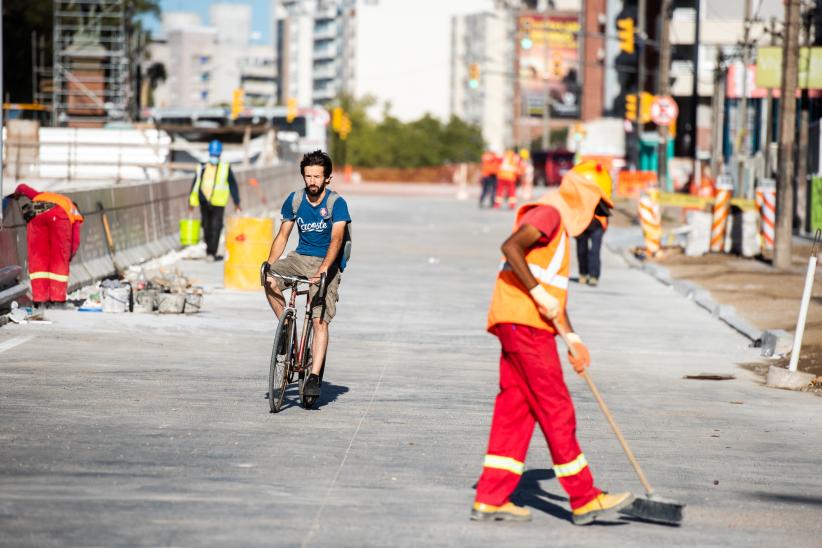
(123, 430)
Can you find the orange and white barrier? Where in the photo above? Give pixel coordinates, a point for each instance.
(766, 203)
(650, 219)
(722, 207)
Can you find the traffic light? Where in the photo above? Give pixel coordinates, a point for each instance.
(473, 75)
(626, 35)
(291, 110)
(345, 127)
(336, 118)
(237, 102)
(630, 107)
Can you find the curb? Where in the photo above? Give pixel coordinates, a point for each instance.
(772, 342)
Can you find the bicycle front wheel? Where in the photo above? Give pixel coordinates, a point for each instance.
(280, 362)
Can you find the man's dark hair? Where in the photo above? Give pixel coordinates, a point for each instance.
(317, 158)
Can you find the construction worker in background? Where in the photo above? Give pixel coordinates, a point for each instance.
(488, 171)
(210, 188)
(589, 243)
(527, 178)
(53, 237)
(507, 175)
(529, 299)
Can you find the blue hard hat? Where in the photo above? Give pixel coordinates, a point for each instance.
(215, 148)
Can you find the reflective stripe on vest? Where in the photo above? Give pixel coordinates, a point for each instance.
(571, 468)
(504, 463)
(64, 202)
(48, 276)
(220, 191)
(550, 265)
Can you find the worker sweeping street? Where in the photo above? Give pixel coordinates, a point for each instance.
(529, 301)
(507, 175)
(488, 172)
(589, 243)
(212, 184)
(53, 237)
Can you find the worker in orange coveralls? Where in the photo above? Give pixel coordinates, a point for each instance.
(530, 295)
(507, 174)
(53, 238)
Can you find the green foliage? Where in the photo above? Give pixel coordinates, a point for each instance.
(391, 142)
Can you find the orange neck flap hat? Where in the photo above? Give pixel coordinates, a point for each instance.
(576, 199)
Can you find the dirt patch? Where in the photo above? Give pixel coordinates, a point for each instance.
(766, 297)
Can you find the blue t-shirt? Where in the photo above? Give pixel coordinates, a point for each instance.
(314, 223)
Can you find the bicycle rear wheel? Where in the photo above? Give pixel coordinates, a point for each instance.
(281, 358)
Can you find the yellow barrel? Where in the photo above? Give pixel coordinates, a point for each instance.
(247, 243)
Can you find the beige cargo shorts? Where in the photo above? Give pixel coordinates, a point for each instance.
(305, 265)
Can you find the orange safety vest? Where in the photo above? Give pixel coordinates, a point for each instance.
(509, 169)
(64, 202)
(490, 164)
(603, 220)
(550, 265)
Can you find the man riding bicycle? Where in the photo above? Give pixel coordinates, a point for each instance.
(321, 217)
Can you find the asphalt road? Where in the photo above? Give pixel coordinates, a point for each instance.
(147, 430)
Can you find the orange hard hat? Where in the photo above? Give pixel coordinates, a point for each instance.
(596, 173)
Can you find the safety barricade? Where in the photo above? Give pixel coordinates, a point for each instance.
(766, 203)
(650, 219)
(722, 207)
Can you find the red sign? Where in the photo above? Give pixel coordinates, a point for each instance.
(664, 110)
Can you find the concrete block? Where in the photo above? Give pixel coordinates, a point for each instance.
(630, 259)
(659, 272)
(684, 288)
(728, 315)
(776, 343)
(779, 377)
(742, 234)
(703, 298)
(698, 241)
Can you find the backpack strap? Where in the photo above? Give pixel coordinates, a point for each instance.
(296, 200)
(329, 203)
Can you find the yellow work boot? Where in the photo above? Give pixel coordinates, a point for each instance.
(507, 512)
(602, 504)
(593, 281)
(583, 279)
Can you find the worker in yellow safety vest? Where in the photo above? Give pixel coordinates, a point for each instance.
(212, 184)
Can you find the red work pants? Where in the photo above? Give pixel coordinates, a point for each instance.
(49, 248)
(532, 390)
(506, 188)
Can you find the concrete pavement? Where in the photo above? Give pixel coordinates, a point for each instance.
(144, 430)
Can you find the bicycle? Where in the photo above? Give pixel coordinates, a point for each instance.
(291, 355)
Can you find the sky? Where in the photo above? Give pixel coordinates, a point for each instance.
(405, 47)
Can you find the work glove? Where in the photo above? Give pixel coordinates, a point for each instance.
(547, 305)
(583, 358)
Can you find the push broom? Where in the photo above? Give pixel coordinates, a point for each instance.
(651, 507)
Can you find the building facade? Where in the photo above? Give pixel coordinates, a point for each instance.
(484, 40)
(315, 49)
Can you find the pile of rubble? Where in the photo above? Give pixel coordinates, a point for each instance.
(162, 290)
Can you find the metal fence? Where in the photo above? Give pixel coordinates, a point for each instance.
(144, 220)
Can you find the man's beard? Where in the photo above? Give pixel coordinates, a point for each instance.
(314, 191)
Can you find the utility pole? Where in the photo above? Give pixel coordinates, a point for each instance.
(769, 115)
(783, 231)
(640, 85)
(663, 87)
(718, 115)
(695, 92)
(2, 117)
(546, 109)
(741, 149)
(802, 152)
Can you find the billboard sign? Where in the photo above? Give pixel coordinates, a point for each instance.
(548, 54)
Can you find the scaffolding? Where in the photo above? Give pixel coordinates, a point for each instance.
(91, 63)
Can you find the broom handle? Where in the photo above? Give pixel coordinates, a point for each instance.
(628, 453)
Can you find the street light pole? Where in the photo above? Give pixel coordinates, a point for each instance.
(663, 87)
(640, 85)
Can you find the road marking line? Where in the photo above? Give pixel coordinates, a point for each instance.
(11, 343)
